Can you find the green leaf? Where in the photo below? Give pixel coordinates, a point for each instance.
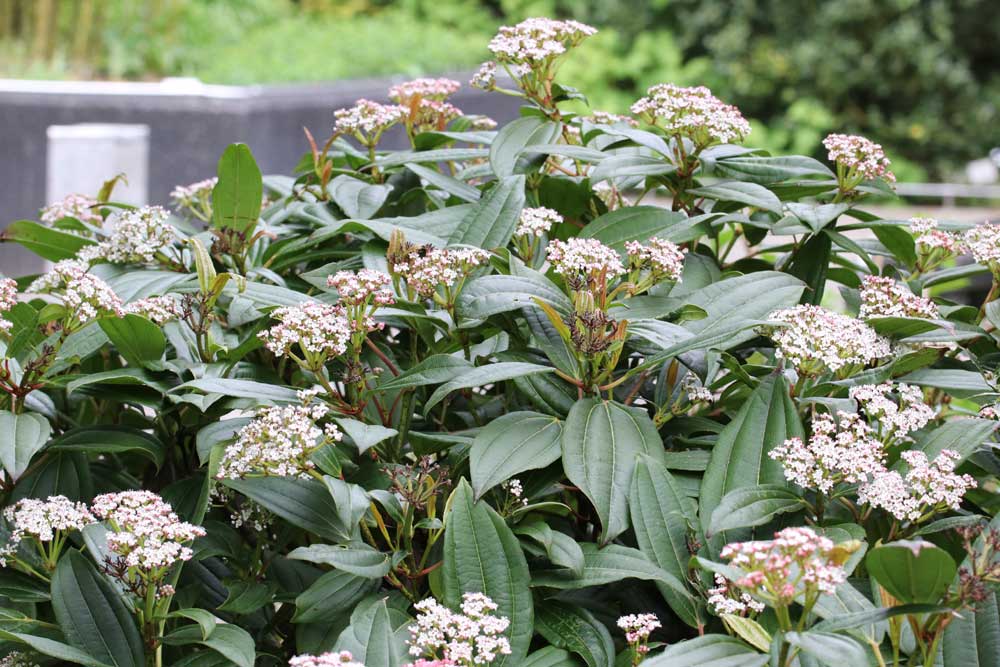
(331, 595)
(560, 548)
(356, 198)
(305, 503)
(371, 638)
(351, 501)
(604, 565)
(619, 166)
(20, 587)
(483, 375)
(912, 571)
(54, 649)
(490, 295)
(641, 223)
(661, 524)
(400, 158)
(236, 198)
(207, 622)
(356, 558)
(136, 338)
(767, 170)
(753, 506)
(973, 639)
(511, 444)
(246, 597)
(482, 555)
(747, 194)
(600, 442)
(21, 436)
(263, 392)
(110, 440)
(964, 436)
(492, 221)
(748, 630)
(860, 618)
(828, 648)
(954, 381)
(740, 455)
(575, 629)
(47, 243)
(708, 651)
(515, 136)
(811, 262)
(449, 184)
(92, 614)
(816, 216)
(550, 656)
(232, 642)
(435, 369)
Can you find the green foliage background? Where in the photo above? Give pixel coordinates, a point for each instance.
(921, 76)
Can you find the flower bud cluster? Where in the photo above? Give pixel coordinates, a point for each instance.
(537, 221)
(638, 628)
(278, 442)
(19, 659)
(428, 269)
(725, 599)
(364, 288)
(195, 194)
(587, 259)
(339, 659)
(316, 328)
(424, 88)
(472, 637)
(8, 299)
(84, 295)
(860, 157)
(42, 520)
(692, 113)
(367, 120)
(817, 339)
(929, 238)
(779, 570)
(663, 258)
(537, 41)
(882, 296)
(927, 487)
(135, 237)
(607, 118)
(145, 531)
(896, 410)
(157, 309)
(983, 242)
(80, 207)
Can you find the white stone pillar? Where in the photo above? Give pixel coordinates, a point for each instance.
(82, 157)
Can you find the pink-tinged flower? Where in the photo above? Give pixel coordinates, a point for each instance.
(797, 560)
(928, 238)
(19, 659)
(185, 196)
(638, 628)
(42, 520)
(80, 207)
(884, 297)
(607, 118)
(424, 88)
(367, 120)
(473, 637)
(537, 221)
(485, 77)
(537, 41)
(983, 241)
(318, 329)
(663, 258)
(586, 258)
(428, 270)
(339, 659)
(430, 115)
(144, 530)
(430, 663)
(364, 288)
(817, 339)
(895, 410)
(990, 411)
(8, 299)
(278, 442)
(858, 156)
(156, 309)
(841, 450)
(725, 599)
(927, 488)
(84, 295)
(693, 113)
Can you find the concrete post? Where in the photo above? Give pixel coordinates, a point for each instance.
(82, 157)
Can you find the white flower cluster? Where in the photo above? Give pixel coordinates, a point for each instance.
(145, 531)
(485, 77)
(428, 115)
(584, 257)
(638, 627)
(929, 238)
(696, 392)
(43, 520)
(607, 118)
(663, 258)
(777, 569)
(195, 193)
(516, 490)
(317, 328)
(537, 221)
(882, 296)
(474, 636)
(278, 441)
(928, 486)
(694, 113)
(8, 299)
(367, 119)
(439, 267)
(990, 411)
(157, 309)
(859, 156)
(537, 40)
(135, 237)
(18, 659)
(85, 295)
(896, 416)
(723, 599)
(339, 659)
(81, 207)
(817, 338)
(841, 450)
(983, 241)
(364, 287)
(424, 88)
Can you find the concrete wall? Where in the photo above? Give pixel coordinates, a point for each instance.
(190, 125)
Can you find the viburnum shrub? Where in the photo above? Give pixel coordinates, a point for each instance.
(590, 389)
